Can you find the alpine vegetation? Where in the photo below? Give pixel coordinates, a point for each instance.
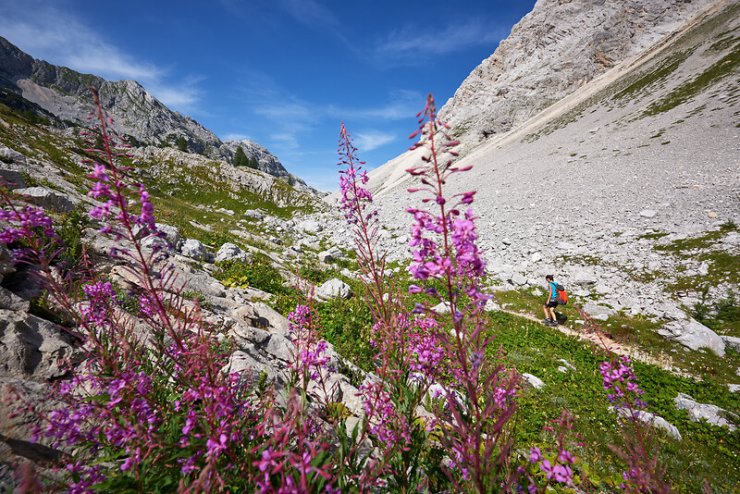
(154, 403)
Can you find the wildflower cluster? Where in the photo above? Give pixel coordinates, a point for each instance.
(620, 383)
(24, 223)
(159, 409)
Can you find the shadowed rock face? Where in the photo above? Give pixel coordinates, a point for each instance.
(551, 52)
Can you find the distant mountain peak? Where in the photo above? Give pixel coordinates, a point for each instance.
(64, 93)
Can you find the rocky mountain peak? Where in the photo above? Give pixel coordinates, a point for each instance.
(554, 50)
(64, 93)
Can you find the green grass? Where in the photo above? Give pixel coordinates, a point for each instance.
(722, 265)
(258, 273)
(704, 452)
(639, 332)
(652, 236)
(723, 316)
(650, 78)
(725, 67)
(681, 246)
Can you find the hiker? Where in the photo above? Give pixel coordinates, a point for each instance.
(551, 302)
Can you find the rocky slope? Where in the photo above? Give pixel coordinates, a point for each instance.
(65, 94)
(554, 51)
(267, 162)
(627, 188)
(212, 213)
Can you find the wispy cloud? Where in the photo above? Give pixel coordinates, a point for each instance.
(48, 33)
(235, 136)
(310, 13)
(414, 44)
(372, 139)
(401, 104)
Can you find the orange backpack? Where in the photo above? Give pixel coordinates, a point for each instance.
(562, 295)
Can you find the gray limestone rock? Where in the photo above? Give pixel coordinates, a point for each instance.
(11, 155)
(31, 347)
(333, 288)
(331, 255)
(702, 411)
(254, 214)
(582, 277)
(193, 249)
(230, 252)
(11, 301)
(652, 419)
(12, 179)
(692, 334)
(171, 234)
(6, 262)
(732, 342)
(47, 198)
(309, 226)
(598, 312)
(534, 381)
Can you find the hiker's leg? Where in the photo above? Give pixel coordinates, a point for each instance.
(547, 311)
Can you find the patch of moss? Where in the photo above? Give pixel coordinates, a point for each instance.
(681, 246)
(647, 79)
(725, 67)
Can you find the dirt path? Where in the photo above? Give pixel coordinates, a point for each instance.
(594, 335)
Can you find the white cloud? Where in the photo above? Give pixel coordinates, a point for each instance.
(288, 140)
(46, 32)
(285, 111)
(235, 136)
(372, 139)
(403, 104)
(310, 13)
(414, 44)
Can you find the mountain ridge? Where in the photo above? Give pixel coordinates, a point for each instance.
(137, 114)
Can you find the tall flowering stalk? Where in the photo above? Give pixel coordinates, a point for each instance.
(147, 404)
(639, 451)
(644, 471)
(391, 402)
(476, 392)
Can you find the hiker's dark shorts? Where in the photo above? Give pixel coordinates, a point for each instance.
(552, 303)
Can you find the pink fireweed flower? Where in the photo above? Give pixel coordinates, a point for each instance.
(535, 455)
(146, 217)
(99, 296)
(24, 223)
(310, 353)
(620, 382)
(354, 197)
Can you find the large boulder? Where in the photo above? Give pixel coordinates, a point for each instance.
(582, 277)
(703, 411)
(12, 179)
(11, 155)
(193, 249)
(331, 255)
(31, 347)
(692, 334)
(230, 252)
(598, 312)
(47, 199)
(732, 342)
(171, 234)
(653, 420)
(334, 288)
(310, 226)
(11, 301)
(6, 262)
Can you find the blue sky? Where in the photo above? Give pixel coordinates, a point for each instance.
(283, 73)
